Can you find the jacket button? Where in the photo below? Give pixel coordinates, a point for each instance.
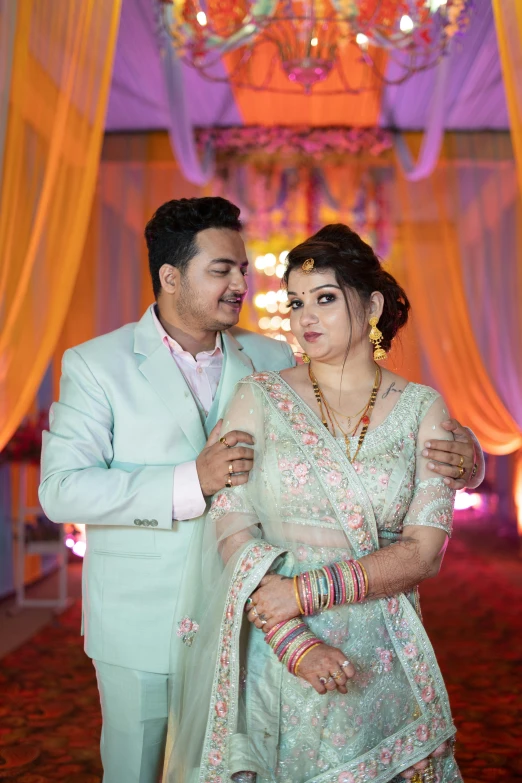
(138, 522)
(154, 522)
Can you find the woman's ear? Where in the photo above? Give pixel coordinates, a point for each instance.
(376, 305)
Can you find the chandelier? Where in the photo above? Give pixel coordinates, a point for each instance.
(310, 40)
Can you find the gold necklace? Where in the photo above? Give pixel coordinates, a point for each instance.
(364, 420)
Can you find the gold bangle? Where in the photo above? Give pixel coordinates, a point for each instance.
(297, 596)
(312, 647)
(365, 575)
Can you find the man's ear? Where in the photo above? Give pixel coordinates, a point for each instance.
(169, 278)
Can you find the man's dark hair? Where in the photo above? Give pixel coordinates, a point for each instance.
(171, 232)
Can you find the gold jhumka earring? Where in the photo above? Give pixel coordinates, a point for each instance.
(379, 353)
(305, 358)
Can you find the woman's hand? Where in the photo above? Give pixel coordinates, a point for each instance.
(326, 669)
(273, 602)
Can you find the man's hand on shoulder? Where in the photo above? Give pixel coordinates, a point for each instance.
(222, 460)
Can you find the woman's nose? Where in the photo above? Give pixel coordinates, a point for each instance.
(307, 317)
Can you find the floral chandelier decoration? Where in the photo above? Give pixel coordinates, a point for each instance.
(309, 39)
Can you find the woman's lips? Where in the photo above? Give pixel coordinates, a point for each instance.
(311, 337)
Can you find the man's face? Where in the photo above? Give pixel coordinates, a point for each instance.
(213, 287)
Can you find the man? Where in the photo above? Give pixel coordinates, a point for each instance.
(134, 451)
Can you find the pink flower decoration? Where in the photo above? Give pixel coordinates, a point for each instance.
(221, 501)
(221, 709)
(428, 693)
(393, 605)
(185, 625)
(355, 521)
(334, 478)
(386, 756)
(301, 470)
(310, 439)
(285, 406)
(358, 467)
(410, 650)
(346, 777)
(215, 758)
(384, 480)
(423, 733)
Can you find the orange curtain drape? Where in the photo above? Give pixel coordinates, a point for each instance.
(428, 235)
(508, 23)
(61, 71)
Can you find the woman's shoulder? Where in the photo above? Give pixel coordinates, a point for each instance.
(422, 397)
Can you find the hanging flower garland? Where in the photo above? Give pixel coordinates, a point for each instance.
(258, 141)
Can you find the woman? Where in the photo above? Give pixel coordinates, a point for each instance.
(334, 680)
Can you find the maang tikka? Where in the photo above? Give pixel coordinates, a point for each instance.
(308, 265)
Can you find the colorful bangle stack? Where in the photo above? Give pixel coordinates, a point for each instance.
(345, 582)
(291, 640)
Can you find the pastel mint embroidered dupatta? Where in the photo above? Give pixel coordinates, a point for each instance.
(304, 505)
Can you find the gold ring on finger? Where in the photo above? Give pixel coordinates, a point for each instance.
(230, 468)
(345, 663)
(462, 470)
(329, 680)
(254, 612)
(337, 675)
(228, 482)
(461, 463)
(223, 440)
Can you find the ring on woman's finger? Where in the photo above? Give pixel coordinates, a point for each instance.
(263, 622)
(254, 612)
(228, 482)
(230, 468)
(337, 674)
(345, 663)
(223, 440)
(329, 680)
(249, 601)
(461, 470)
(323, 680)
(263, 617)
(461, 462)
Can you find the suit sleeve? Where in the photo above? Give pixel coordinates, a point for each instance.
(78, 483)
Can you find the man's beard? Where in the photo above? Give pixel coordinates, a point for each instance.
(191, 311)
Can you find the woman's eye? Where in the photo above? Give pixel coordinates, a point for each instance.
(221, 271)
(326, 298)
(294, 304)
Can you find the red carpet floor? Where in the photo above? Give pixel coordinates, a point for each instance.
(49, 708)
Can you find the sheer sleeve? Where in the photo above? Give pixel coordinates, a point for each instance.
(432, 501)
(233, 519)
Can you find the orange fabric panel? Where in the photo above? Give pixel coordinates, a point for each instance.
(271, 108)
(64, 53)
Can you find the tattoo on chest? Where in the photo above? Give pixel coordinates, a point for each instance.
(391, 389)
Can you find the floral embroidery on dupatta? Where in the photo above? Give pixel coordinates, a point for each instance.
(187, 630)
(253, 564)
(431, 722)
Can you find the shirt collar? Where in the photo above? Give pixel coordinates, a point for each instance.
(175, 347)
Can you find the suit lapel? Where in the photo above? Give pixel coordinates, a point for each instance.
(236, 365)
(163, 374)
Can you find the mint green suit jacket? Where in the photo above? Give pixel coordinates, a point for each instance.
(125, 419)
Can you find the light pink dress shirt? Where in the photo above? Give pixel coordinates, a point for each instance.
(202, 375)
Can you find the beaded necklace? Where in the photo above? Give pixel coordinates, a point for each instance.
(364, 420)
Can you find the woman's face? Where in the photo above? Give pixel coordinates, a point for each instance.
(319, 317)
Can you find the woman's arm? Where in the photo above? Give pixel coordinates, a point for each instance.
(403, 565)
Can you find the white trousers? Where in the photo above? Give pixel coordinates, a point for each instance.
(134, 711)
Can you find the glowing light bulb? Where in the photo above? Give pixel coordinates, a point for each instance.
(69, 542)
(406, 24)
(271, 307)
(283, 307)
(362, 40)
(264, 323)
(275, 322)
(271, 297)
(259, 263)
(260, 301)
(202, 18)
(314, 41)
(280, 270)
(285, 324)
(79, 548)
(282, 256)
